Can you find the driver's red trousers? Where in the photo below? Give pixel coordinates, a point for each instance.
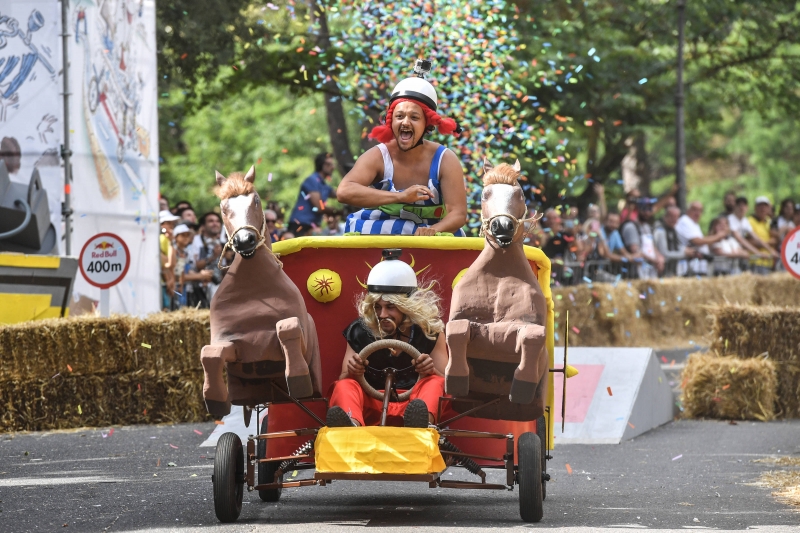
(348, 394)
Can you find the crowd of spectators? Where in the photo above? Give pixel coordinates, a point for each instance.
(643, 238)
(650, 237)
(192, 259)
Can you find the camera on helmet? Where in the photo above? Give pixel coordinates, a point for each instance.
(423, 67)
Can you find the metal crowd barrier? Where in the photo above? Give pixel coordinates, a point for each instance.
(570, 272)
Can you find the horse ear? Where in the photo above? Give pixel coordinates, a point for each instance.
(487, 165)
(220, 178)
(517, 167)
(251, 175)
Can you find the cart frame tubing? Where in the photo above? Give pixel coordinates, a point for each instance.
(433, 479)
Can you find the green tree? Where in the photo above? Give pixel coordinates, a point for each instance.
(267, 126)
(623, 53)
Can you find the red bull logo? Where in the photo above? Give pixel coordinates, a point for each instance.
(106, 249)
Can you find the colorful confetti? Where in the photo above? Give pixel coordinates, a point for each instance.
(479, 64)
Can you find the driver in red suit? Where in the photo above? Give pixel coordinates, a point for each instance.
(393, 308)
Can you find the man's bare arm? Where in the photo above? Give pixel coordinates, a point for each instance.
(355, 187)
(710, 239)
(761, 244)
(744, 243)
(454, 194)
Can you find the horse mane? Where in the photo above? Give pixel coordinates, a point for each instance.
(502, 173)
(235, 185)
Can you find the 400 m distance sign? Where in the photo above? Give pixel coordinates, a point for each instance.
(104, 260)
(790, 252)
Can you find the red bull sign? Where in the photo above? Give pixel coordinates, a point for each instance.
(104, 260)
(790, 252)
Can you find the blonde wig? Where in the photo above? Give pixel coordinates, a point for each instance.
(422, 307)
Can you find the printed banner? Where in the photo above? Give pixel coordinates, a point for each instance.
(114, 137)
(31, 106)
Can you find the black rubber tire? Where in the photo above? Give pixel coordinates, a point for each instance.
(228, 477)
(529, 477)
(266, 471)
(541, 431)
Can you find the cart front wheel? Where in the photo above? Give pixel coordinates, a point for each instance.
(228, 477)
(529, 477)
(266, 471)
(541, 430)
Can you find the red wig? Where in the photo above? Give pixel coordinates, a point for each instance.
(383, 132)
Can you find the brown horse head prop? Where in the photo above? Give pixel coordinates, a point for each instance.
(503, 208)
(241, 213)
(496, 331)
(261, 333)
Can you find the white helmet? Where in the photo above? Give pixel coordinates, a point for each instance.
(392, 275)
(418, 89)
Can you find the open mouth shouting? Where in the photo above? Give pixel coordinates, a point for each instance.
(405, 134)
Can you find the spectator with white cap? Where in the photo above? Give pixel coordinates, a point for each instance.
(184, 264)
(760, 222)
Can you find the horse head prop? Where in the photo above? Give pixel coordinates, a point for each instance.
(496, 332)
(503, 209)
(261, 332)
(242, 215)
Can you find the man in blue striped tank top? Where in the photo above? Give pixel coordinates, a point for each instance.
(407, 185)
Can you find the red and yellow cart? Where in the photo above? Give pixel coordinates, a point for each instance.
(330, 273)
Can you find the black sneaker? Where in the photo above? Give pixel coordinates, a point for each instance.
(416, 415)
(337, 418)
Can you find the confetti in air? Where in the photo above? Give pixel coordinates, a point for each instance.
(478, 65)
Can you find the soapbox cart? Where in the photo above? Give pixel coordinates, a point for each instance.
(478, 432)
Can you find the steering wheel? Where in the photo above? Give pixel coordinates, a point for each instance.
(394, 344)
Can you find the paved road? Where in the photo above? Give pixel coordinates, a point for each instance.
(121, 482)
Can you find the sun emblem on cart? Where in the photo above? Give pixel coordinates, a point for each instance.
(324, 285)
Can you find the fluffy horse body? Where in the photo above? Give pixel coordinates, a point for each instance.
(496, 330)
(260, 329)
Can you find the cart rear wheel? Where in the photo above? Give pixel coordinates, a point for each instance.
(266, 471)
(529, 477)
(541, 431)
(228, 477)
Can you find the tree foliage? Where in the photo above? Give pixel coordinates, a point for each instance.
(564, 85)
(738, 55)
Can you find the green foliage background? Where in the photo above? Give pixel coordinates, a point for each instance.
(235, 88)
(279, 131)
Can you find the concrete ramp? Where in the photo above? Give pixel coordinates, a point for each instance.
(619, 394)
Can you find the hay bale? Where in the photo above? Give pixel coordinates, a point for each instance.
(729, 388)
(751, 331)
(141, 397)
(661, 313)
(119, 370)
(175, 340)
(92, 345)
(43, 348)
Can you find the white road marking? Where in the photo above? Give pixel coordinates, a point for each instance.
(31, 481)
(73, 461)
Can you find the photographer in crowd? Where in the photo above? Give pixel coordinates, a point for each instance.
(206, 249)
